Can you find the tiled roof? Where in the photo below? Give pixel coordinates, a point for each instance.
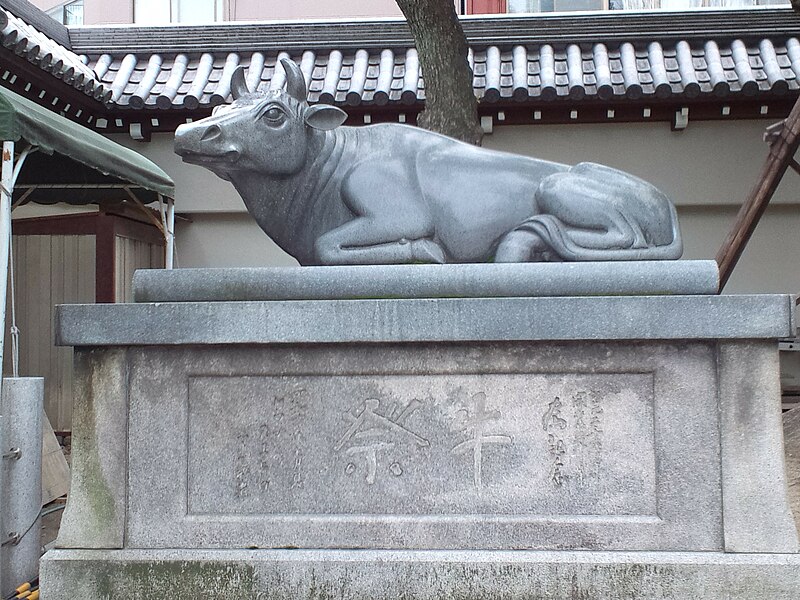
(578, 58)
(523, 72)
(27, 42)
(32, 15)
(607, 57)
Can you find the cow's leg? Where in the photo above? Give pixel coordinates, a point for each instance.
(522, 245)
(392, 223)
(362, 242)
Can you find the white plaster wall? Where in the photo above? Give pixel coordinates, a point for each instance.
(770, 261)
(196, 188)
(708, 169)
(226, 240)
(709, 163)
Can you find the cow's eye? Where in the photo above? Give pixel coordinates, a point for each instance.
(273, 114)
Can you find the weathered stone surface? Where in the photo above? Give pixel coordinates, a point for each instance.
(427, 320)
(554, 448)
(428, 281)
(434, 446)
(95, 515)
(756, 510)
(391, 193)
(418, 575)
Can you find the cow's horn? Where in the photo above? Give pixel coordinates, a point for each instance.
(239, 83)
(295, 82)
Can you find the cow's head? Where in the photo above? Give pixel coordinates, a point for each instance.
(267, 132)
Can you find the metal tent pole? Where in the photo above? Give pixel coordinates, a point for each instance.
(6, 189)
(7, 183)
(170, 234)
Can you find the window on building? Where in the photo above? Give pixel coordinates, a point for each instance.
(482, 7)
(160, 12)
(686, 4)
(70, 13)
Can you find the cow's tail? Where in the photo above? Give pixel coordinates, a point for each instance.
(554, 233)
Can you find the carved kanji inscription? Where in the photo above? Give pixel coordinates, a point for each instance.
(491, 443)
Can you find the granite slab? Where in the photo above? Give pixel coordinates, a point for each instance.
(622, 278)
(418, 575)
(766, 316)
(537, 448)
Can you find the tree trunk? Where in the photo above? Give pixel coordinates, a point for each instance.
(450, 104)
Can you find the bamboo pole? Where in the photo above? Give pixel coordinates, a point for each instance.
(783, 145)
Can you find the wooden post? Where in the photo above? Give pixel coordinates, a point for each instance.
(106, 259)
(781, 154)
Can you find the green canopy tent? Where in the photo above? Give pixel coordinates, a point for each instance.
(66, 162)
(63, 162)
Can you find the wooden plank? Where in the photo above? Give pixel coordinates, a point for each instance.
(60, 258)
(7, 369)
(35, 337)
(782, 151)
(120, 269)
(74, 264)
(156, 257)
(55, 470)
(80, 224)
(138, 231)
(87, 251)
(82, 291)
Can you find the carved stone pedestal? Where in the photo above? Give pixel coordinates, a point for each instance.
(573, 447)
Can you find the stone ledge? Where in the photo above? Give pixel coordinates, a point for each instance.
(427, 320)
(423, 575)
(622, 278)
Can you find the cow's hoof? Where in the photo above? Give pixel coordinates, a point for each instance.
(427, 251)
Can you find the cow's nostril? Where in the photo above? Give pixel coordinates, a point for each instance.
(211, 133)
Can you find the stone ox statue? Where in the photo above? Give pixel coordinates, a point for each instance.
(391, 193)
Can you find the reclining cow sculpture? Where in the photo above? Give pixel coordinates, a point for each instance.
(391, 193)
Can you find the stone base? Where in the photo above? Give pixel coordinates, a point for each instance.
(581, 448)
(428, 575)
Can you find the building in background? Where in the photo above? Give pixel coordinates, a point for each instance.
(160, 12)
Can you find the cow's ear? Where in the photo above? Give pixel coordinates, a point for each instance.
(324, 117)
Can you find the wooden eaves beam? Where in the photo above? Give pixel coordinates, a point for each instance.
(783, 139)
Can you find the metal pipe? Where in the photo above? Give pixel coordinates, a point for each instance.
(21, 405)
(74, 186)
(170, 234)
(6, 191)
(21, 161)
